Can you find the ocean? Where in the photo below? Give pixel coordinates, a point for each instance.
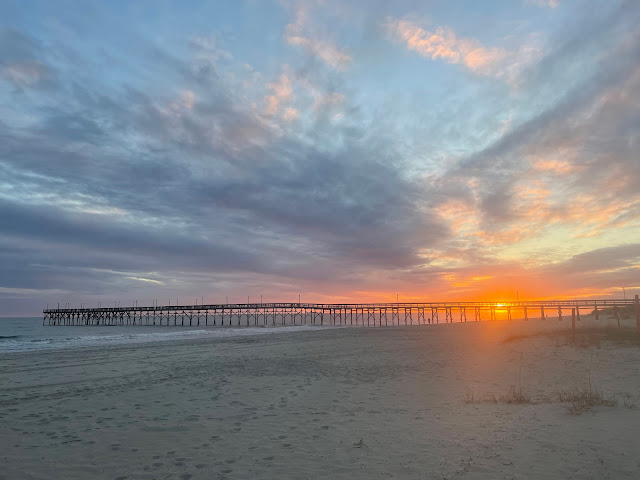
(28, 334)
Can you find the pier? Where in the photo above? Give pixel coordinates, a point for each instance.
(320, 314)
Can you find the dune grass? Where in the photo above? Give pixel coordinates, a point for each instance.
(585, 336)
(582, 399)
(579, 400)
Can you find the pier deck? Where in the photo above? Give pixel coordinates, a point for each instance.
(361, 314)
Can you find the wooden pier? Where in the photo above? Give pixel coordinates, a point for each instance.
(354, 314)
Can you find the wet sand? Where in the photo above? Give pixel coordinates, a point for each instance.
(338, 403)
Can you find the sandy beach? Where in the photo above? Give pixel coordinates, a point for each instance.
(400, 402)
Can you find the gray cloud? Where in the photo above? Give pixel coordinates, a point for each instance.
(209, 189)
(602, 259)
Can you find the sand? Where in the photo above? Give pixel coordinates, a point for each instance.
(337, 403)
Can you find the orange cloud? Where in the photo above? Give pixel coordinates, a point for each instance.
(282, 91)
(556, 166)
(290, 114)
(444, 44)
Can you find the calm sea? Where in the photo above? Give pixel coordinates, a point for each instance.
(27, 334)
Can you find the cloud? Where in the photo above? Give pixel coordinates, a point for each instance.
(282, 92)
(581, 149)
(148, 280)
(205, 177)
(543, 3)
(326, 52)
(607, 259)
(443, 44)
(323, 49)
(290, 114)
(20, 63)
(192, 178)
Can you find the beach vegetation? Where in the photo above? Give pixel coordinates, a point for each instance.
(585, 336)
(582, 399)
(515, 395)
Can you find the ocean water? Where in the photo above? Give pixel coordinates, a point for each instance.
(28, 334)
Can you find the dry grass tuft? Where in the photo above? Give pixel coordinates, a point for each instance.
(515, 395)
(585, 336)
(583, 399)
(628, 402)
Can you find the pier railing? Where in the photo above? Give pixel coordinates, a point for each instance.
(360, 314)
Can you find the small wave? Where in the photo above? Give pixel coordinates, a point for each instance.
(15, 343)
(6, 337)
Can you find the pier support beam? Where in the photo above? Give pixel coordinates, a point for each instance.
(448, 315)
(636, 302)
(407, 316)
(395, 316)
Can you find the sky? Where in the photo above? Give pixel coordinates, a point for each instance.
(317, 149)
